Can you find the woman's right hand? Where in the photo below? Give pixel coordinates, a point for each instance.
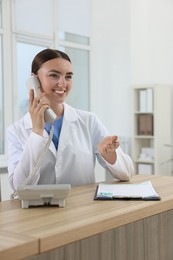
(37, 107)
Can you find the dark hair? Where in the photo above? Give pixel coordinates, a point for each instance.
(45, 55)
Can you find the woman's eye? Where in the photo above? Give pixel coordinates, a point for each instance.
(54, 76)
(69, 77)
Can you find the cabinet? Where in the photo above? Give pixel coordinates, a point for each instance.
(151, 140)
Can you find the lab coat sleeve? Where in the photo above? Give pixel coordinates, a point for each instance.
(123, 168)
(22, 158)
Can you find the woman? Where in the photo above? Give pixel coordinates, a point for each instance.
(79, 136)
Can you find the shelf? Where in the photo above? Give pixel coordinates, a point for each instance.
(145, 162)
(143, 113)
(151, 128)
(144, 136)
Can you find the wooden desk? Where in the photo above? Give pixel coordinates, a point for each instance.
(89, 230)
(16, 246)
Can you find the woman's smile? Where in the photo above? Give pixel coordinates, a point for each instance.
(59, 92)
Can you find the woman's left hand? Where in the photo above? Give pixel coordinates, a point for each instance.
(107, 148)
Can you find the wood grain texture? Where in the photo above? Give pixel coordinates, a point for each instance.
(146, 239)
(16, 246)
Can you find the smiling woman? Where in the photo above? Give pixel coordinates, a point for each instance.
(79, 137)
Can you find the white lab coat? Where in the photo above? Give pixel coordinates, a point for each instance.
(73, 162)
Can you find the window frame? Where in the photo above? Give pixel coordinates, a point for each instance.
(6, 71)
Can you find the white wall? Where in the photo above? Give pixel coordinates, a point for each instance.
(110, 71)
(152, 41)
(110, 66)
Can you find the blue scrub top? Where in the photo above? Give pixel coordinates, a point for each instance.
(57, 130)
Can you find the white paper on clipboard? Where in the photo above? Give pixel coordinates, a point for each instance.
(143, 191)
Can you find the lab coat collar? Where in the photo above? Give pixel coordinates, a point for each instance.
(70, 116)
(27, 121)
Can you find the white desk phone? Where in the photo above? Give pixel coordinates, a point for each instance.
(36, 195)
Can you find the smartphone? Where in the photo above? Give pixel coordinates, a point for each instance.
(34, 83)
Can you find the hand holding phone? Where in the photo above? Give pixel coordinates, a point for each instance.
(33, 83)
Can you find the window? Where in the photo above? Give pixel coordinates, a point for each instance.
(24, 32)
(0, 13)
(73, 38)
(25, 55)
(1, 88)
(79, 96)
(1, 103)
(33, 17)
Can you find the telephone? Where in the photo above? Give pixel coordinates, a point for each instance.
(34, 83)
(40, 195)
(47, 192)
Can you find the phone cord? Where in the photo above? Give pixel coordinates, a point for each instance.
(38, 163)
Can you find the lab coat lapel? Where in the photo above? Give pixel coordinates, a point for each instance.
(67, 127)
(64, 136)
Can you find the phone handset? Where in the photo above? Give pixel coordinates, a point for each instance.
(33, 82)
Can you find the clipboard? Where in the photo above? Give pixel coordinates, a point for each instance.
(126, 191)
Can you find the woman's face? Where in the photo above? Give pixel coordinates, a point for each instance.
(56, 79)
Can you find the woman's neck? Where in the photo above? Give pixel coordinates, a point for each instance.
(59, 110)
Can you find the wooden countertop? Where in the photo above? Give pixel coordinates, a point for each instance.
(82, 217)
(17, 246)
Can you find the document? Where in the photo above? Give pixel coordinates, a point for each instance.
(141, 191)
